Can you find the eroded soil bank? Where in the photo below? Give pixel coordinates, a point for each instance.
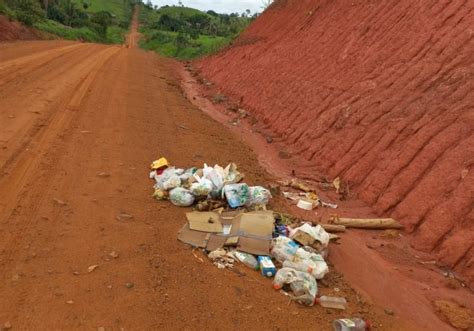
(377, 93)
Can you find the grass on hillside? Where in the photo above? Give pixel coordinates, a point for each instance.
(164, 42)
(120, 8)
(115, 34)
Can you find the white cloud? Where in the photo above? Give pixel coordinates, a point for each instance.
(220, 6)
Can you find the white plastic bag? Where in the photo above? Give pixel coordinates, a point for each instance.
(172, 182)
(181, 197)
(258, 195)
(317, 232)
(283, 248)
(214, 176)
(202, 188)
(237, 195)
(302, 284)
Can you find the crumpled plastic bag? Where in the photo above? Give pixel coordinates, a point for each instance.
(237, 195)
(170, 176)
(303, 286)
(171, 183)
(215, 175)
(160, 194)
(202, 188)
(181, 197)
(317, 232)
(258, 195)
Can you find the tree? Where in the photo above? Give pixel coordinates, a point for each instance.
(102, 20)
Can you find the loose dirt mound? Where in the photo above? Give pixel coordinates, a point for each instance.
(378, 93)
(11, 30)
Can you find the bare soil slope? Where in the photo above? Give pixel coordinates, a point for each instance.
(379, 93)
(11, 30)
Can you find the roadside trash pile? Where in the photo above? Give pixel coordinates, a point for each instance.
(208, 188)
(231, 224)
(292, 254)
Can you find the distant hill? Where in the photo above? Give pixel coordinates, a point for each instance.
(119, 8)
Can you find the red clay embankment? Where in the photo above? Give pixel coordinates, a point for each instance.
(379, 93)
(12, 30)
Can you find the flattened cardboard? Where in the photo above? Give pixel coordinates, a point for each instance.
(193, 238)
(254, 231)
(204, 221)
(254, 246)
(257, 224)
(231, 241)
(251, 232)
(215, 242)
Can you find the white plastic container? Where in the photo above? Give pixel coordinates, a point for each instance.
(350, 324)
(306, 205)
(332, 302)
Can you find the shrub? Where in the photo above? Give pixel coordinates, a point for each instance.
(28, 12)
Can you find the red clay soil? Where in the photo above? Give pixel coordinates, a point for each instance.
(378, 93)
(12, 30)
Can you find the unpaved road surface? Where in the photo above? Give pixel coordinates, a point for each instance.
(79, 126)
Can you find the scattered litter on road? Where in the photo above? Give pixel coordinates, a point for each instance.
(59, 202)
(103, 175)
(92, 268)
(123, 217)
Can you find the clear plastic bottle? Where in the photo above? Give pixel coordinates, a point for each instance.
(350, 324)
(332, 302)
(248, 259)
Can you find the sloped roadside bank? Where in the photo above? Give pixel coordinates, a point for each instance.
(388, 271)
(377, 93)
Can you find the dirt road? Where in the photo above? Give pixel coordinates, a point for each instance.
(79, 125)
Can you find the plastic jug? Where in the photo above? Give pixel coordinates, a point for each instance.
(266, 266)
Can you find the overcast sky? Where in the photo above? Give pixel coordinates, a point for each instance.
(220, 6)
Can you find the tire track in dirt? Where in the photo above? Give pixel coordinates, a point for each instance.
(25, 168)
(20, 166)
(12, 70)
(29, 102)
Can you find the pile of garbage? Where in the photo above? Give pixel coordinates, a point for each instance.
(208, 187)
(292, 254)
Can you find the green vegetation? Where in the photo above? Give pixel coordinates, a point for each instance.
(104, 21)
(187, 33)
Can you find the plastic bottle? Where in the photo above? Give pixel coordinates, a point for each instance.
(248, 259)
(332, 302)
(350, 324)
(308, 262)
